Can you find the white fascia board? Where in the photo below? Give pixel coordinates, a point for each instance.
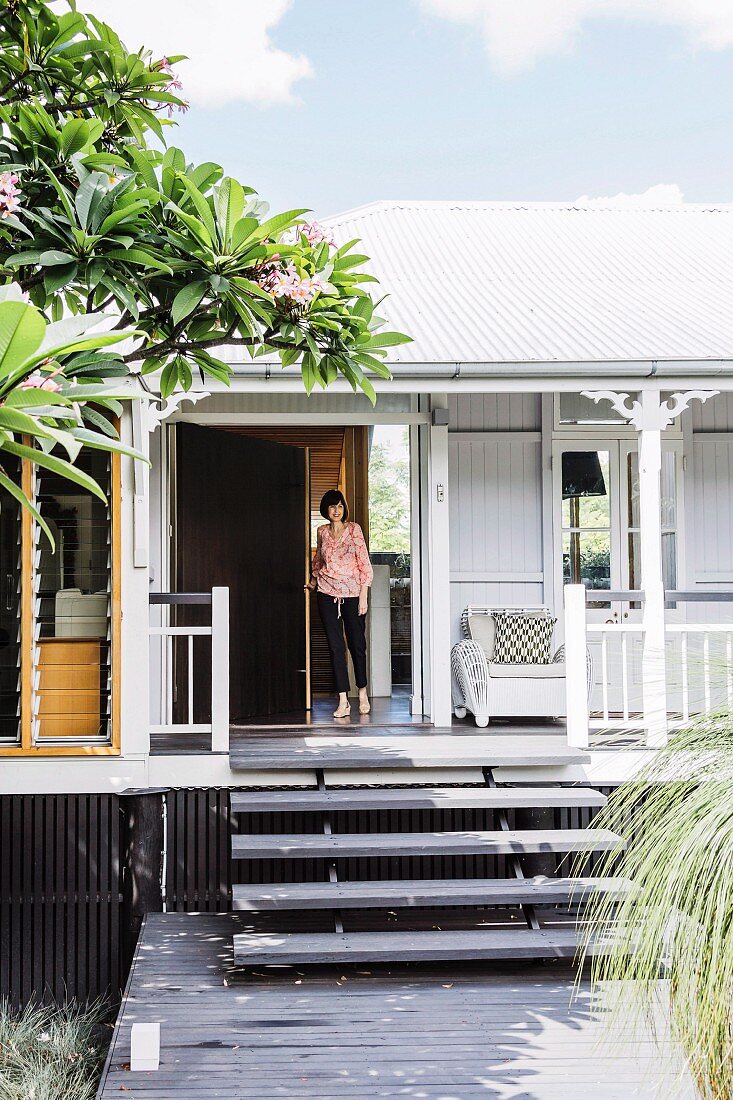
(608, 767)
(73, 775)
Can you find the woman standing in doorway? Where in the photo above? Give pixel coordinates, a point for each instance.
(341, 574)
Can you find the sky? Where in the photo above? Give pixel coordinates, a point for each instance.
(331, 104)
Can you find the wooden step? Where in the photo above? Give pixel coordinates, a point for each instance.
(430, 893)
(427, 750)
(344, 845)
(257, 949)
(416, 798)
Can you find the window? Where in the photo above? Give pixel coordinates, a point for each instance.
(10, 574)
(668, 519)
(586, 520)
(59, 613)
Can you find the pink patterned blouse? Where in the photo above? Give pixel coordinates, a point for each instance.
(341, 567)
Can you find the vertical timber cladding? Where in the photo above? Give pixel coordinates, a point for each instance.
(60, 898)
(61, 877)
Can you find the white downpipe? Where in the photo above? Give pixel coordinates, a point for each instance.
(576, 667)
(220, 670)
(654, 674)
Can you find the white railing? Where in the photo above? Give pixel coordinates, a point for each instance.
(700, 674)
(170, 671)
(694, 675)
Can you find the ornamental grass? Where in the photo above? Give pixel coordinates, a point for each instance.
(51, 1053)
(668, 941)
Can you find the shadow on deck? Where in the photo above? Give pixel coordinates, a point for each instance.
(457, 1030)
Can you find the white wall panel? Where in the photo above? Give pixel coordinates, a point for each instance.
(476, 412)
(712, 507)
(496, 521)
(715, 415)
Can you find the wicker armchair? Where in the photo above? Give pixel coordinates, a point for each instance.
(487, 689)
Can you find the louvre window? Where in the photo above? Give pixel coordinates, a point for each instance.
(10, 573)
(57, 619)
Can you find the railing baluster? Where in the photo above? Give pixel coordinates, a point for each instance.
(685, 682)
(190, 678)
(625, 675)
(604, 673)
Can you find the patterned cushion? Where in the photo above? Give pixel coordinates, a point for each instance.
(523, 639)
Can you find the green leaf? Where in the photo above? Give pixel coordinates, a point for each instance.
(74, 136)
(140, 258)
(229, 204)
(243, 231)
(387, 340)
(186, 300)
(169, 378)
(57, 466)
(280, 222)
(16, 421)
(32, 398)
(99, 442)
(22, 329)
(53, 258)
(18, 494)
(143, 167)
(200, 203)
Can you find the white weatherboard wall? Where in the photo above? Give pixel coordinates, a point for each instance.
(495, 477)
(711, 508)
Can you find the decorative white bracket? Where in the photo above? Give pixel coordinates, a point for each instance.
(165, 409)
(643, 417)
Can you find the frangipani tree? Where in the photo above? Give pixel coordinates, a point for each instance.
(93, 217)
(55, 397)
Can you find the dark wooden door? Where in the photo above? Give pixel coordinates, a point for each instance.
(241, 522)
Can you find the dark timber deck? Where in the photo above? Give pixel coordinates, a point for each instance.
(462, 1030)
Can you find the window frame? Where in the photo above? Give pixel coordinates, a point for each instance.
(26, 747)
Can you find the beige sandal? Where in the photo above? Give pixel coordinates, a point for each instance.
(343, 712)
(364, 708)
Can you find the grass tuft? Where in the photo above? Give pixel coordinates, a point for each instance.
(51, 1053)
(676, 923)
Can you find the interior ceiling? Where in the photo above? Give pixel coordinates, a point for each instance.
(325, 444)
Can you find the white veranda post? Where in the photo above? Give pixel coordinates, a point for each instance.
(650, 415)
(439, 565)
(654, 672)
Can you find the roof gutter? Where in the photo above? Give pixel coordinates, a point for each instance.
(607, 368)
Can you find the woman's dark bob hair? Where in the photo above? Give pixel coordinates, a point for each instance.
(334, 496)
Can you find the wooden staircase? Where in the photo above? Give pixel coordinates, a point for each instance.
(449, 893)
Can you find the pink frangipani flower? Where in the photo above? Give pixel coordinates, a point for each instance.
(37, 381)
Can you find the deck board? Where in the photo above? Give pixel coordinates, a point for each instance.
(441, 748)
(459, 1030)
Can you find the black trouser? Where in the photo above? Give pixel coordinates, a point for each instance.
(355, 626)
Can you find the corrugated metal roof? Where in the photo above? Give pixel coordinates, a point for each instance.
(482, 282)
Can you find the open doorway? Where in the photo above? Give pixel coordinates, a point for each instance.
(247, 513)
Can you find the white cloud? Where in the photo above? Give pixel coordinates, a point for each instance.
(231, 55)
(518, 32)
(661, 194)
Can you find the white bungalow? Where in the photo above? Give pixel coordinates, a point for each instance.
(555, 348)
